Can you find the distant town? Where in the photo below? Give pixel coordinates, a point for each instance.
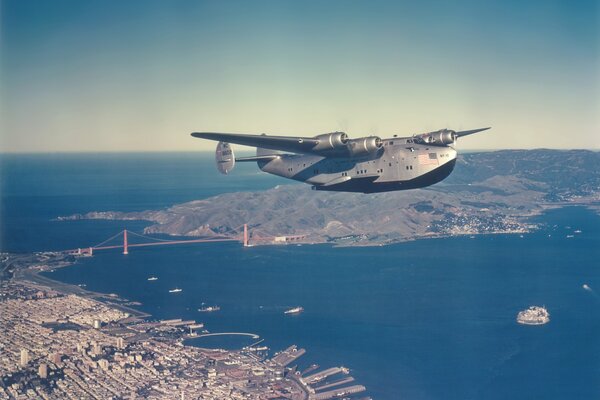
(62, 341)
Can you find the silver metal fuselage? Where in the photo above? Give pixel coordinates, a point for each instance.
(399, 164)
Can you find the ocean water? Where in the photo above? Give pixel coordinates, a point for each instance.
(430, 319)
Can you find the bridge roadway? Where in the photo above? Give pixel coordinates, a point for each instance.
(120, 246)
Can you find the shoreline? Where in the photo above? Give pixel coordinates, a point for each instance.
(133, 333)
(513, 224)
(33, 277)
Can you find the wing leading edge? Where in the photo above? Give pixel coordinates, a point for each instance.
(283, 143)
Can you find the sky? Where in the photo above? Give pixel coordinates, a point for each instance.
(133, 75)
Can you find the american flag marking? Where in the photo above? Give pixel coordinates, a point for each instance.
(428, 159)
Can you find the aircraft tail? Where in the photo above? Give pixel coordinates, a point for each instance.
(226, 159)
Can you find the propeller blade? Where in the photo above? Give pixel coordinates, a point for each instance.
(465, 133)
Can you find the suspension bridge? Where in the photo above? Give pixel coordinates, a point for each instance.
(125, 242)
(122, 241)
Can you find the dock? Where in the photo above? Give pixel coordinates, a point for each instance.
(288, 356)
(178, 322)
(334, 384)
(319, 376)
(338, 392)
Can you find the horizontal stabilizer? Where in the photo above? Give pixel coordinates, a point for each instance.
(257, 158)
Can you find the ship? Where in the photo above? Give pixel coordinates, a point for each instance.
(209, 309)
(295, 310)
(153, 278)
(534, 315)
(176, 290)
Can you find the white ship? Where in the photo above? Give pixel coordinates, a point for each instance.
(295, 310)
(534, 315)
(176, 290)
(153, 278)
(209, 309)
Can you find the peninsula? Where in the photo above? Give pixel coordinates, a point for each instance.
(489, 192)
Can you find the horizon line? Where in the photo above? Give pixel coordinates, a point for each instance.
(48, 152)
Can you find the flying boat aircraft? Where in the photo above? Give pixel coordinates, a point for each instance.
(334, 162)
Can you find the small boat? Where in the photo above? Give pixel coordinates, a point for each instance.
(153, 278)
(295, 310)
(176, 290)
(209, 309)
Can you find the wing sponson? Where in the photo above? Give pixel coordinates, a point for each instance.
(284, 143)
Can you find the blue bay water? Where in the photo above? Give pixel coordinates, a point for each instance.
(431, 319)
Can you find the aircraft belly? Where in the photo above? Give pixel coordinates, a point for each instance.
(370, 185)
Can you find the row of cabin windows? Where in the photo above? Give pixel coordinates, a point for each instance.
(409, 167)
(362, 171)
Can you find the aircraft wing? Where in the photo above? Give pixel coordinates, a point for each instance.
(283, 143)
(465, 133)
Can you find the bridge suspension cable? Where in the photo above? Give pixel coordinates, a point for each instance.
(108, 240)
(148, 237)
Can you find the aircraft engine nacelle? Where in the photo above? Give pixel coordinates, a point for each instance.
(363, 147)
(331, 141)
(442, 137)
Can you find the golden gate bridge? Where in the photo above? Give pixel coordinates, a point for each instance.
(126, 244)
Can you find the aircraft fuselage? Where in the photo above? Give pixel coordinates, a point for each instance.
(400, 164)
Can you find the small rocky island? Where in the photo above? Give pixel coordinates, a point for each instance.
(488, 192)
(534, 315)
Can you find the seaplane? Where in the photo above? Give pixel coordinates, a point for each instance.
(334, 162)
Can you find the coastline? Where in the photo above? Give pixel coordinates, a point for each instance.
(94, 322)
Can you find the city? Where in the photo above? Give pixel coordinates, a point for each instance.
(55, 344)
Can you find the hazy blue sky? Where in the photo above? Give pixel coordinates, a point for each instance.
(141, 75)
